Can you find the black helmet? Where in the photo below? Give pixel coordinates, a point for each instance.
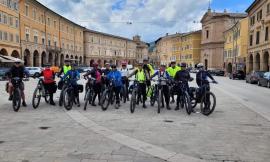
(183, 64)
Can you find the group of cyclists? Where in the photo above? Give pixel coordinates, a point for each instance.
(172, 77)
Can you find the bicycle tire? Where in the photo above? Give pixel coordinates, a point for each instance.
(133, 101)
(187, 103)
(68, 99)
(205, 111)
(16, 102)
(159, 100)
(105, 100)
(36, 98)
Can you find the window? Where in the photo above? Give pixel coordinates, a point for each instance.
(5, 18)
(9, 3)
(11, 37)
(43, 41)
(36, 39)
(266, 33)
(26, 10)
(49, 22)
(1, 35)
(17, 38)
(54, 24)
(5, 36)
(250, 40)
(268, 8)
(27, 34)
(258, 37)
(1, 17)
(55, 43)
(42, 19)
(252, 20)
(15, 6)
(207, 34)
(11, 21)
(259, 15)
(16, 23)
(34, 13)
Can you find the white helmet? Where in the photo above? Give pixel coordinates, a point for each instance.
(200, 65)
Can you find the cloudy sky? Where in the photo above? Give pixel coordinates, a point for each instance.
(148, 18)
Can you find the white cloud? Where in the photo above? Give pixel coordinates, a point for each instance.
(150, 18)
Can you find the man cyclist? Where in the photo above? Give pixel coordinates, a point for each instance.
(73, 76)
(172, 70)
(65, 68)
(149, 71)
(184, 77)
(125, 73)
(140, 76)
(107, 69)
(49, 82)
(202, 75)
(116, 78)
(97, 74)
(163, 74)
(17, 70)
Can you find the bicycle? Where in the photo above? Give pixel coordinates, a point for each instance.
(134, 96)
(185, 100)
(107, 97)
(16, 100)
(89, 93)
(62, 85)
(38, 93)
(157, 95)
(69, 96)
(204, 97)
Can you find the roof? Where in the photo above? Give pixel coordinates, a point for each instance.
(221, 14)
(192, 32)
(252, 5)
(106, 34)
(169, 36)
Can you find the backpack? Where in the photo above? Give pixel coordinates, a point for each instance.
(48, 76)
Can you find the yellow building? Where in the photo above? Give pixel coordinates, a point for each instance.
(47, 37)
(9, 28)
(191, 48)
(177, 46)
(235, 46)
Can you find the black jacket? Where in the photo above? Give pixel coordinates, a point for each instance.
(16, 72)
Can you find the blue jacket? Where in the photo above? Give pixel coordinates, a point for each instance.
(73, 76)
(117, 77)
(166, 75)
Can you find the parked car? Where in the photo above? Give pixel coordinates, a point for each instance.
(55, 69)
(34, 71)
(3, 72)
(254, 77)
(84, 69)
(239, 74)
(265, 80)
(217, 72)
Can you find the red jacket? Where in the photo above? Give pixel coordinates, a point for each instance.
(48, 76)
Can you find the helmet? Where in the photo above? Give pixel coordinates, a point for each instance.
(163, 64)
(144, 60)
(113, 66)
(183, 64)
(200, 65)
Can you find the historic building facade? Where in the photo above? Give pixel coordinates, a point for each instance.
(235, 46)
(9, 28)
(47, 37)
(213, 26)
(259, 43)
(141, 49)
(102, 48)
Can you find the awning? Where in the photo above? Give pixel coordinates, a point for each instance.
(9, 59)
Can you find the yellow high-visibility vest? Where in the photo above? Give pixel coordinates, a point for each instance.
(140, 76)
(66, 69)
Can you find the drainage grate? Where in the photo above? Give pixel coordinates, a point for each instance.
(168, 121)
(25, 161)
(2, 142)
(44, 128)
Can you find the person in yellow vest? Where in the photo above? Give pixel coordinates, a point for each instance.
(149, 71)
(172, 70)
(65, 68)
(140, 76)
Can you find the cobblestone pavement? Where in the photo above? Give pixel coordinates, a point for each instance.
(50, 134)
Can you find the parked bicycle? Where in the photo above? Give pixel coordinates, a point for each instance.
(38, 93)
(108, 97)
(69, 96)
(134, 96)
(89, 93)
(158, 94)
(62, 85)
(16, 100)
(204, 97)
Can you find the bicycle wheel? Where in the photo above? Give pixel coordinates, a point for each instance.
(208, 103)
(36, 98)
(68, 99)
(16, 102)
(133, 101)
(61, 98)
(105, 100)
(187, 103)
(159, 100)
(86, 99)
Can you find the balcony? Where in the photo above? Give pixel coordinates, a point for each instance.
(53, 49)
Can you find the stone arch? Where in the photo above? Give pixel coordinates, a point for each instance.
(27, 57)
(50, 59)
(36, 59)
(257, 62)
(229, 68)
(250, 63)
(3, 52)
(71, 57)
(266, 61)
(62, 59)
(43, 58)
(67, 56)
(15, 54)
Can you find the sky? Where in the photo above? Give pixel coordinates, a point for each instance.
(150, 19)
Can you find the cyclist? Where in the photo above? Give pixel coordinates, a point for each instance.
(97, 74)
(73, 76)
(163, 74)
(107, 69)
(17, 70)
(149, 71)
(49, 82)
(140, 76)
(125, 72)
(202, 75)
(183, 76)
(172, 70)
(116, 78)
(65, 68)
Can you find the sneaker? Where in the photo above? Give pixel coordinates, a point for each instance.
(24, 104)
(168, 107)
(177, 108)
(10, 98)
(144, 106)
(52, 103)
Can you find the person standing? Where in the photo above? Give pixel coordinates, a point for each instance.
(125, 73)
(172, 70)
(65, 68)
